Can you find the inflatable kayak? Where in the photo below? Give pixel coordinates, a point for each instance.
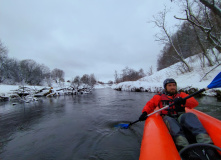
(158, 144)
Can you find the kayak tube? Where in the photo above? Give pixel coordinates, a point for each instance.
(157, 142)
(211, 124)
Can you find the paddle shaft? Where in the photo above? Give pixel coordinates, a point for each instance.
(133, 122)
(195, 93)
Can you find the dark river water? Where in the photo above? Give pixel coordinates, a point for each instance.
(78, 127)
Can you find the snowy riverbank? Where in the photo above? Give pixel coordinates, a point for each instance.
(193, 79)
(9, 89)
(26, 93)
(153, 83)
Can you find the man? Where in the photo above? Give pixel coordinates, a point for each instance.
(175, 117)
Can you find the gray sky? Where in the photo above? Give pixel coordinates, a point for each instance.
(83, 36)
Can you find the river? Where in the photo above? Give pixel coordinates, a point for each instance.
(79, 127)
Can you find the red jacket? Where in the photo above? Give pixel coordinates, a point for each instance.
(155, 101)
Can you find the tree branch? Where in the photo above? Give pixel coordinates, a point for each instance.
(206, 30)
(212, 6)
(210, 71)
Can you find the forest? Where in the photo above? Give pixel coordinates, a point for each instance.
(199, 33)
(13, 71)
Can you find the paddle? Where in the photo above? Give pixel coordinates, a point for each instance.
(216, 83)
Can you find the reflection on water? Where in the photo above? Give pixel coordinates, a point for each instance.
(78, 127)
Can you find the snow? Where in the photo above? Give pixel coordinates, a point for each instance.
(153, 83)
(7, 89)
(100, 86)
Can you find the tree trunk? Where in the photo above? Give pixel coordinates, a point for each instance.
(178, 54)
(212, 6)
(202, 47)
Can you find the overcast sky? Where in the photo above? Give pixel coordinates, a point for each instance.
(83, 36)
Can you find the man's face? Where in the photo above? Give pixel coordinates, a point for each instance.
(171, 88)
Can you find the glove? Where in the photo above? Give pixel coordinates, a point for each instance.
(178, 102)
(143, 116)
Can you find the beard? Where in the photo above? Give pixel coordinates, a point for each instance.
(172, 92)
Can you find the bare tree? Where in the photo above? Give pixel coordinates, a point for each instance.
(150, 71)
(27, 68)
(76, 82)
(204, 50)
(110, 82)
(12, 73)
(129, 74)
(213, 5)
(45, 74)
(88, 80)
(141, 73)
(198, 38)
(116, 77)
(93, 80)
(3, 58)
(204, 23)
(57, 74)
(85, 79)
(26, 71)
(165, 37)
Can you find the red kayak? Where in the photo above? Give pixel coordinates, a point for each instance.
(158, 144)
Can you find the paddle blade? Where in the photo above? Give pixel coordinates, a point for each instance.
(216, 83)
(124, 126)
